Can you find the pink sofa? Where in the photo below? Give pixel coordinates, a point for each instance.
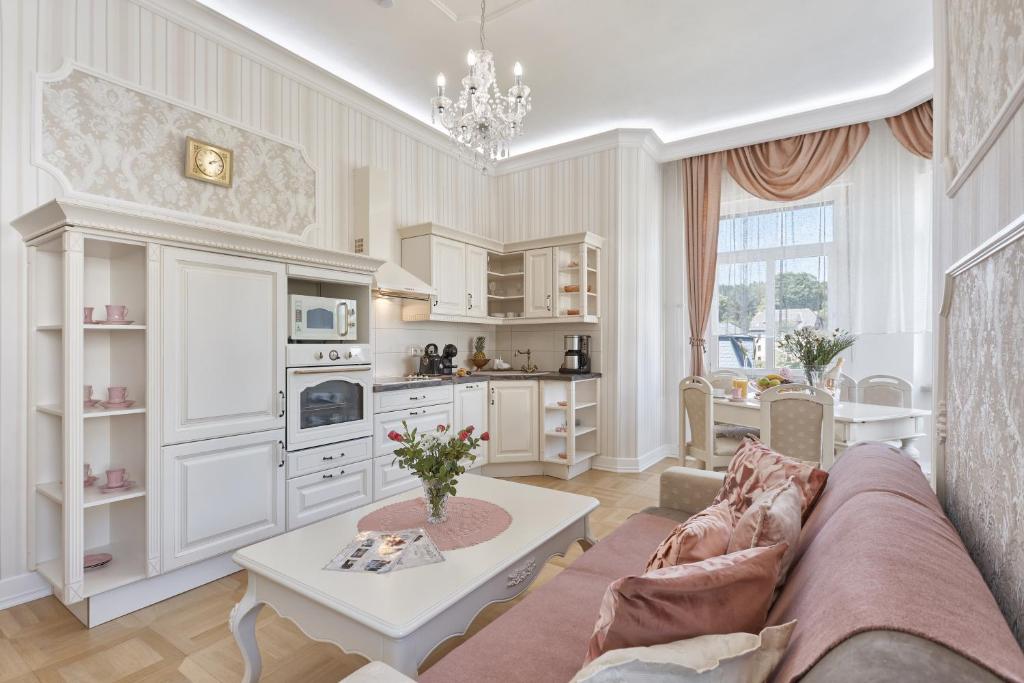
(882, 589)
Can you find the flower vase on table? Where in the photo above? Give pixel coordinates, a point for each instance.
(815, 350)
(438, 458)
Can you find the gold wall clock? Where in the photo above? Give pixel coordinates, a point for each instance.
(207, 162)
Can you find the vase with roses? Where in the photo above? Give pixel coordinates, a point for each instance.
(438, 458)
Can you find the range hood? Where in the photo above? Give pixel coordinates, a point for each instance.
(375, 232)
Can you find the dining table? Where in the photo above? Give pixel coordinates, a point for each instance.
(854, 422)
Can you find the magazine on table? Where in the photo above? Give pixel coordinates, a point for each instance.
(380, 552)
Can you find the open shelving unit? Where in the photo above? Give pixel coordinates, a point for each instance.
(571, 425)
(68, 520)
(577, 282)
(506, 279)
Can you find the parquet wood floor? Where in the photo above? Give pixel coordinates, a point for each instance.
(186, 638)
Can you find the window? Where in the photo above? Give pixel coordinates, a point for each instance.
(773, 277)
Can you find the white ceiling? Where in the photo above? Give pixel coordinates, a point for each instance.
(680, 67)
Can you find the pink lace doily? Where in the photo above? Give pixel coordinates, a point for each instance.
(470, 521)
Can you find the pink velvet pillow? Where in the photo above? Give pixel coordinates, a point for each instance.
(755, 468)
(724, 594)
(773, 517)
(702, 536)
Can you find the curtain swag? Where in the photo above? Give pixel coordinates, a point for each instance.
(913, 129)
(797, 167)
(702, 190)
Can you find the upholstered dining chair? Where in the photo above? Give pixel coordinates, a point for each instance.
(722, 379)
(697, 409)
(847, 388)
(886, 390)
(799, 422)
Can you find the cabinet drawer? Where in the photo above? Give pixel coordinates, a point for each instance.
(389, 479)
(328, 493)
(324, 457)
(423, 419)
(384, 401)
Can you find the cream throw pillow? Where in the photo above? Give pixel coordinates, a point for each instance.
(728, 658)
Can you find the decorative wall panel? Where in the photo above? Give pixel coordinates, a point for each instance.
(985, 43)
(114, 142)
(984, 394)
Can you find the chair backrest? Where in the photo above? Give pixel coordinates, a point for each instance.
(886, 390)
(722, 379)
(799, 422)
(847, 388)
(696, 408)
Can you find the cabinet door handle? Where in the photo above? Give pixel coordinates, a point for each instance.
(434, 302)
(414, 412)
(281, 402)
(329, 457)
(280, 453)
(548, 298)
(470, 295)
(329, 476)
(417, 398)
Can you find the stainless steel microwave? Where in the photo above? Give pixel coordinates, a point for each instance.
(317, 318)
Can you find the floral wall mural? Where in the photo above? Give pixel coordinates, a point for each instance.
(984, 462)
(115, 142)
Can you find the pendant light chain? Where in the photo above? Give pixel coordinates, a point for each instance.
(483, 15)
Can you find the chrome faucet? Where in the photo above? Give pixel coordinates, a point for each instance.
(529, 367)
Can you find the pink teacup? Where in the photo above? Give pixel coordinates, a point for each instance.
(116, 312)
(87, 315)
(117, 394)
(116, 478)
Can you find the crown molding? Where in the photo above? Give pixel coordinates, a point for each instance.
(910, 94)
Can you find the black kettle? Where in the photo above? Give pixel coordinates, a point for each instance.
(430, 361)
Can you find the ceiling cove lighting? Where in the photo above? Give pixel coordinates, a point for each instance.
(482, 120)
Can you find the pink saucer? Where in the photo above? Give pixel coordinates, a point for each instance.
(127, 486)
(91, 403)
(117, 406)
(113, 322)
(95, 560)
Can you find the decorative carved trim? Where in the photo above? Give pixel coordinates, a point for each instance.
(941, 422)
(522, 573)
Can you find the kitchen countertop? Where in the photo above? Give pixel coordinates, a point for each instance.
(399, 383)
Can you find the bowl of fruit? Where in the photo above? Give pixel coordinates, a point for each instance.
(771, 380)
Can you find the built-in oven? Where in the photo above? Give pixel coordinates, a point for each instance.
(330, 394)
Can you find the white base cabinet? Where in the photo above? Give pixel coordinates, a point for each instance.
(313, 497)
(221, 495)
(514, 420)
(471, 409)
(389, 479)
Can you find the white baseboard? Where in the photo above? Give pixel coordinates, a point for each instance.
(23, 588)
(645, 461)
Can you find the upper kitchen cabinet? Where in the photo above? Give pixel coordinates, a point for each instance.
(554, 279)
(224, 345)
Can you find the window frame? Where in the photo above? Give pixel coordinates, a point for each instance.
(834, 252)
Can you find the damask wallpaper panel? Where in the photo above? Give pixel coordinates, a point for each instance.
(984, 450)
(985, 57)
(111, 141)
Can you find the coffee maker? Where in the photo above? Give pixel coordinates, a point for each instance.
(448, 363)
(577, 355)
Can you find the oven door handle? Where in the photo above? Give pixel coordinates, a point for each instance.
(330, 370)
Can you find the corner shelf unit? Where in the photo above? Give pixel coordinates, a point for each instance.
(506, 282)
(571, 421)
(67, 520)
(577, 281)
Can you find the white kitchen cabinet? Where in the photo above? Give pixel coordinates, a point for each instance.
(221, 494)
(225, 333)
(442, 263)
(471, 409)
(538, 288)
(476, 282)
(324, 494)
(423, 419)
(513, 422)
(389, 479)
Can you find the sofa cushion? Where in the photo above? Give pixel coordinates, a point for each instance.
(724, 594)
(755, 468)
(881, 556)
(543, 639)
(773, 517)
(704, 535)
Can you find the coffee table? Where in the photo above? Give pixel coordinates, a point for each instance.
(401, 616)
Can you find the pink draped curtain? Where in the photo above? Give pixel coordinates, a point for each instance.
(702, 189)
(796, 167)
(913, 129)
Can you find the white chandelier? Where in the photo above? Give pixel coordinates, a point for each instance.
(483, 120)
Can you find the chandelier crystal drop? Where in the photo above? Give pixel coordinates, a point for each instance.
(482, 119)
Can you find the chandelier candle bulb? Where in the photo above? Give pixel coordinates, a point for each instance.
(517, 71)
(440, 85)
(471, 58)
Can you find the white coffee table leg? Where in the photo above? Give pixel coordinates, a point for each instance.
(243, 626)
(588, 541)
